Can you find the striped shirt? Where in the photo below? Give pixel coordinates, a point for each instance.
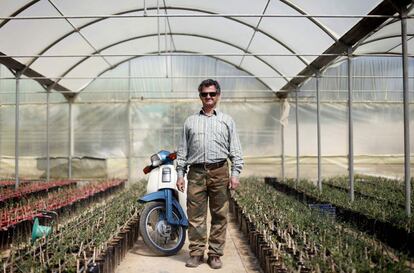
(209, 139)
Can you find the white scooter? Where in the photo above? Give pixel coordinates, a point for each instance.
(163, 221)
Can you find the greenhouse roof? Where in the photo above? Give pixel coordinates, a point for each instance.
(65, 45)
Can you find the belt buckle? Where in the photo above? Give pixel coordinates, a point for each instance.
(205, 166)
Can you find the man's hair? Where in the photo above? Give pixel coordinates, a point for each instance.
(208, 83)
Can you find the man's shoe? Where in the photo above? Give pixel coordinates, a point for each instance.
(214, 262)
(194, 261)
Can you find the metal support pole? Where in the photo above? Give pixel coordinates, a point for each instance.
(16, 133)
(47, 136)
(129, 126)
(70, 151)
(297, 138)
(407, 175)
(208, 54)
(350, 130)
(166, 46)
(282, 132)
(175, 145)
(198, 15)
(158, 28)
(171, 64)
(318, 130)
(1, 138)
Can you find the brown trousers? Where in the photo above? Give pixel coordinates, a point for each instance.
(207, 186)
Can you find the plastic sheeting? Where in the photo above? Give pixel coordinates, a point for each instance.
(136, 32)
(175, 77)
(30, 91)
(375, 79)
(102, 131)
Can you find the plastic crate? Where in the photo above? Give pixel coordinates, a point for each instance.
(326, 209)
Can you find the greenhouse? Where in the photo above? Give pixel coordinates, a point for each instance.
(93, 92)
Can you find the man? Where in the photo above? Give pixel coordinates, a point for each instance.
(209, 139)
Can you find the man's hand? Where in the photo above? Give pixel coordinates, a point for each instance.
(180, 184)
(234, 182)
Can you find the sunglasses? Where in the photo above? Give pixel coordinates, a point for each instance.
(205, 94)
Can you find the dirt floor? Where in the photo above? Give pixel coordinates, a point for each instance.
(237, 258)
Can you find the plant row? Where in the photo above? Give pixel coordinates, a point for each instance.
(26, 189)
(11, 183)
(383, 189)
(381, 209)
(76, 245)
(304, 239)
(28, 210)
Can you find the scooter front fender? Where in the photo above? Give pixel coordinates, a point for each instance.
(164, 195)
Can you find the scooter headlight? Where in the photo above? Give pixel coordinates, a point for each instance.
(156, 160)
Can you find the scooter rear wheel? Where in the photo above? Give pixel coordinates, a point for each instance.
(161, 237)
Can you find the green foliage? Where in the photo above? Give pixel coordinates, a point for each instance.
(380, 188)
(80, 240)
(372, 195)
(306, 238)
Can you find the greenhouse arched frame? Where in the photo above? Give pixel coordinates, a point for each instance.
(346, 68)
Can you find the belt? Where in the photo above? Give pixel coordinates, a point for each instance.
(209, 166)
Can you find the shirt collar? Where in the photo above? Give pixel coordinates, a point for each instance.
(215, 112)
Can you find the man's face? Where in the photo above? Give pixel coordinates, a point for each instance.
(209, 96)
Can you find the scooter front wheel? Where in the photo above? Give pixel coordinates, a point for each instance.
(161, 237)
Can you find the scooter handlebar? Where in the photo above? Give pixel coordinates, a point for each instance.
(148, 169)
(159, 161)
(172, 156)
